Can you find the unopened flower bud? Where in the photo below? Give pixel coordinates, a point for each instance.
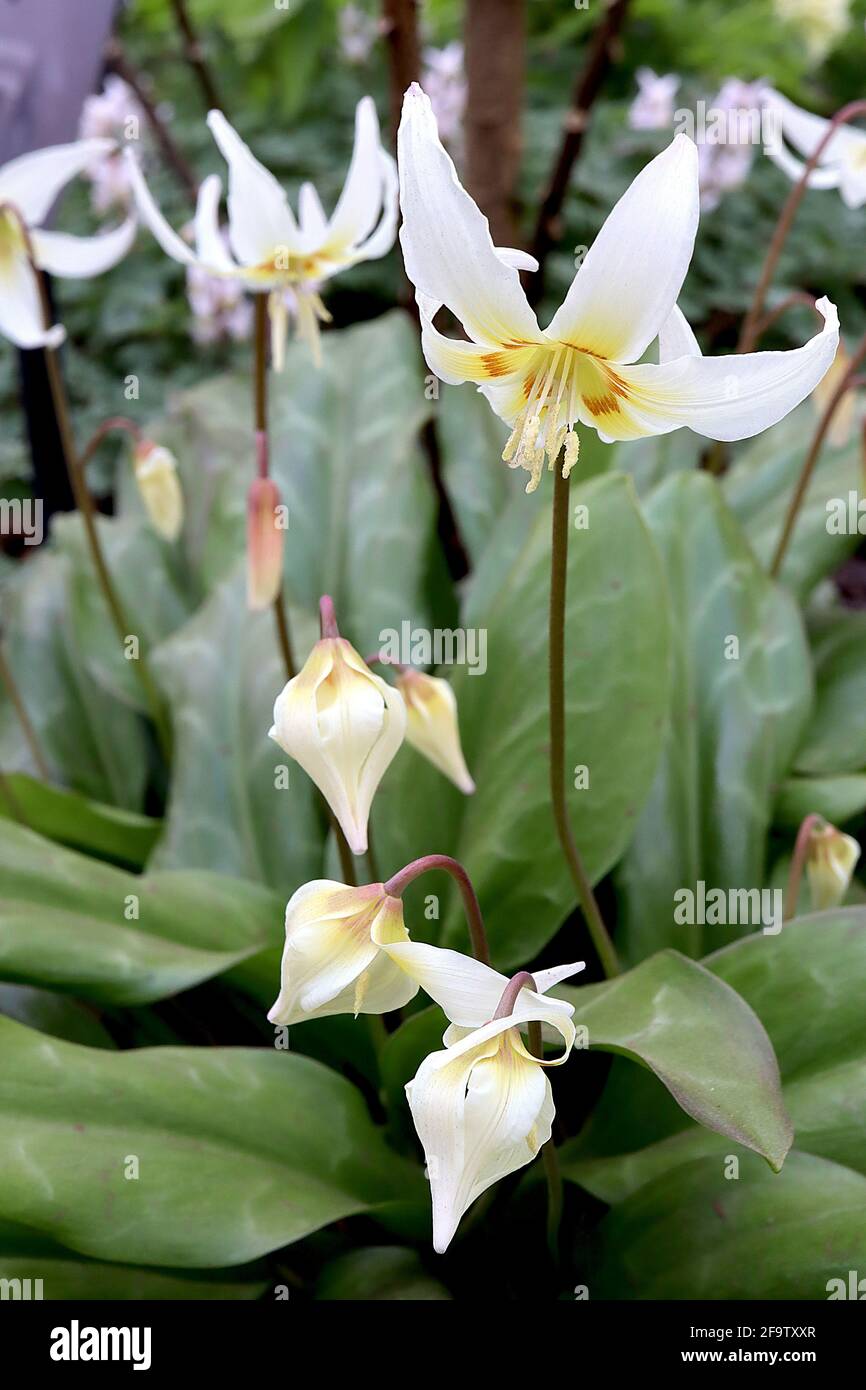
(830, 861)
(264, 544)
(159, 486)
(431, 724)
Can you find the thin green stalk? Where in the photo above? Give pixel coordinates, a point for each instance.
(550, 1160)
(558, 583)
(27, 727)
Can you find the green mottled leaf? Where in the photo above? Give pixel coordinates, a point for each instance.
(53, 1013)
(837, 799)
(383, 1272)
(702, 1041)
(73, 924)
(695, 1234)
(239, 1151)
(106, 832)
(737, 715)
(616, 694)
(835, 739)
(758, 490)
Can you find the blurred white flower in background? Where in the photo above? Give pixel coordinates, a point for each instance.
(821, 22)
(114, 114)
(724, 160)
(444, 81)
(653, 107)
(358, 32)
(221, 311)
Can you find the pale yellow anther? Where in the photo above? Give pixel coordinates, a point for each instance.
(572, 452)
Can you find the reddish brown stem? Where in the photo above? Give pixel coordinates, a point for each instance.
(400, 29)
(397, 885)
(495, 44)
(505, 1007)
(194, 54)
(118, 62)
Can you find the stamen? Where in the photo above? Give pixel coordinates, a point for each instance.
(572, 452)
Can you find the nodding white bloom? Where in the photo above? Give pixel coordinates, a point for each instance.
(28, 188)
(265, 537)
(821, 22)
(653, 107)
(431, 724)
(842, 164)
(830, 861)
(583, 368)
(272, 251)
(155, 470)
(845, 415)
(343, 724)
(483, 1107)
(333, 962)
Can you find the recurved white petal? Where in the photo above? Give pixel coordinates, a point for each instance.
(731, 397)
(32, 181)
(381, 239)
(312, 222)
(632, 274)
(77, 257)
(209, 242)
(447, 247)
(172, 244)
(806, 131)
(469, 991)
(829, 176)
(360, 202)
(20, 302)
(261, 223)
(676, 338)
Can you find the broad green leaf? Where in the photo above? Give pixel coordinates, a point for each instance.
(345, 456)
(696, 1234)
(106, 832)
(382, 1272)
(24, 1255)
(73, 924)
(758, 490)
(741, 695)
(53, 1013)
(229, 809)
(804, 986)
(616, 697)
(838, 799)
(471, 439)
(238, 1151)
(835, 739)
(701, 1040)
(93, 743)
(147, 576)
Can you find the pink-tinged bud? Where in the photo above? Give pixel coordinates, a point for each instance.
(159, 487)
(264, 544)
(431, 725)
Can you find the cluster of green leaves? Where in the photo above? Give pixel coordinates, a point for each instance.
(141, 906)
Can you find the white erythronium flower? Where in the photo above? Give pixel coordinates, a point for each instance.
(271, 250)
(583, 368)
(333, 962)
(343, 724)
(431, 724)
(653, 107)
(725, 159)
(28, 188)
(483, 1107)
(831, 858)
(159, 487)
(821, 22)
(842, 163)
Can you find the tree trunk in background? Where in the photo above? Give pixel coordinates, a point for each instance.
(400, 26)
(495, 38)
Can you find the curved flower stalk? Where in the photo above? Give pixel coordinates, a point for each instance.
(483, 1107)
(431, 724)
(272, 251)
(653, 107)
(842, 162)
(343, 724)
(334, 961)
(845, 415)
(159, 487)
(583, 368)
(28, 188)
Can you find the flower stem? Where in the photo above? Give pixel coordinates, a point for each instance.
(798, 861)
(749, 333)
(400, 882)
(550, 1160)
(558, 583)
(812, 457)
(30, 735)
(84, 503)
(260, 388)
